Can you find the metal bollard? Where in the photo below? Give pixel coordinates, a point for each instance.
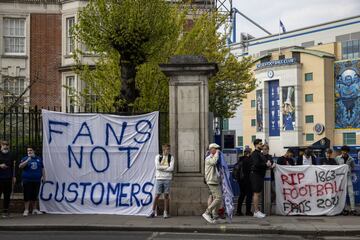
(267, 193)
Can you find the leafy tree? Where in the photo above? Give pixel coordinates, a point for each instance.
(226, 89)
(135, 29)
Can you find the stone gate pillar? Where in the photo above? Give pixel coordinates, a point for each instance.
(189, 138)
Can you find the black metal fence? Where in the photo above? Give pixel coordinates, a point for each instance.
(22, 127)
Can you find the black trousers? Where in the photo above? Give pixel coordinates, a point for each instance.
(245, 192)
(6, 188)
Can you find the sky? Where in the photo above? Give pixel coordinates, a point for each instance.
(293, 13)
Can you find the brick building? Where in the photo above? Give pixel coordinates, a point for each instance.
(30, 55)
(36, 52)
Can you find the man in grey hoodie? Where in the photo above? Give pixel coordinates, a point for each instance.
(212, 179)
(345, 158)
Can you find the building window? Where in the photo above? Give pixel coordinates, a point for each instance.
(90, 102)
(309, 98)
(70, 22)
(309, 137)
(13, 89)
(240, 140)
(253, 137)
(281, 57)
(253, 103)
(308, 76)
(14, 35)
(70, 94)
(225, 124)
(350, 49)
(349, 138)
(309, 118)
(253, 122)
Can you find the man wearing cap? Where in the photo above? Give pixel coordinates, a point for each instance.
(212, 179)
(345, 158)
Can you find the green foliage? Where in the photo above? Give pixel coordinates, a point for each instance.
(104, 27)
(136, 29)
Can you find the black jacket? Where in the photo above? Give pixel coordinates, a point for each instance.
(301, 159)
(284, 160)
(246, 165)
(328, 161)
(258, 163)
(268, 157)
(8, 173)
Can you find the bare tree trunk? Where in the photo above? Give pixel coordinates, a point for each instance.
(128, 91)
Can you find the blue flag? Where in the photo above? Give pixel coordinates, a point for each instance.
(227, 192)
(282, 27)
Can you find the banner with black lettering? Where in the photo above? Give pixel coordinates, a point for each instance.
(310, 190)
(98, 164)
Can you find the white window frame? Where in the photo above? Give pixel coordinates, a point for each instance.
(70, 92)
(8, 36)
(12, 89)
(70, 41)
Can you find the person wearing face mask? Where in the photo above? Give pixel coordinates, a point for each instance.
(345, 158)
(32, 175)
(7, 176)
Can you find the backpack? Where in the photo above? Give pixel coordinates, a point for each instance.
(169, 159)
(238, 173)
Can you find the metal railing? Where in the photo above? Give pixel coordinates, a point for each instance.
(22, 127)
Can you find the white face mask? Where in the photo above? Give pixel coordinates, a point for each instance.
(31, 155)
(5, 151)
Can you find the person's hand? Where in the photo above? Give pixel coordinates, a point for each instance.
(268, 163)
(273, 165)
(3, 166)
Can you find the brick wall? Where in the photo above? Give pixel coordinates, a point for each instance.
(45, 59)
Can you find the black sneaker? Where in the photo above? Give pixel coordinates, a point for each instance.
(353, 213)
(249, 214)
(151, 215)
(345, 212)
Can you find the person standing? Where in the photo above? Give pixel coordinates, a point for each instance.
(7, 176)
(345, 158)
(212, 179)
(242, 175)
(287, 158)
(164, 165)
(328, 160)
(308, 158)
(32, 175)
(257, 174)
(268, 157)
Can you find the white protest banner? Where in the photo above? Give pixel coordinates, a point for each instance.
(310, 190)
(95, 163)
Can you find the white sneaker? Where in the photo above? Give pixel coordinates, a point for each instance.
(259, 214)
(26, 213)
(207, 217)
(36, 212)
(166, 215)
